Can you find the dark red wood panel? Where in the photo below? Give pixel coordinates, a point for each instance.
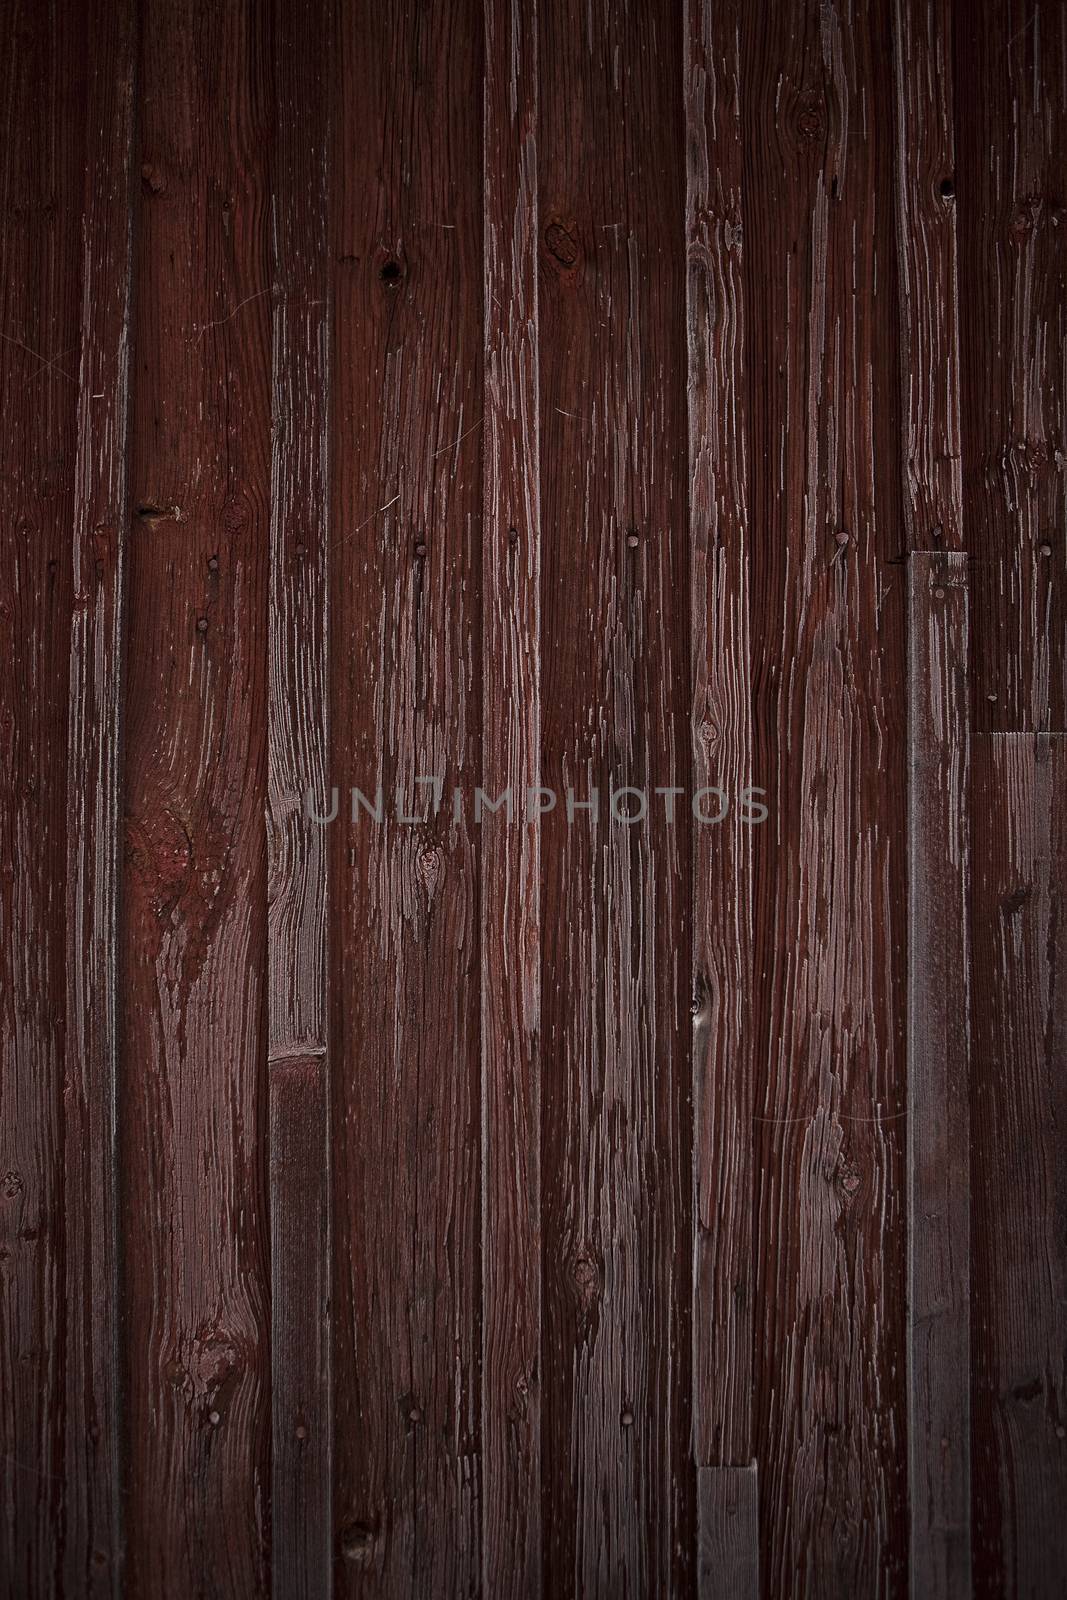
(193, 949)
(406, 551)
(939, 1412)
(410, 409)
(722, 741)
(721, 885)
(1019, 1101)
(298, 1028)
(510, 878)
(43, 96)
(616, 1142)
(1010, 71)
(828, 665)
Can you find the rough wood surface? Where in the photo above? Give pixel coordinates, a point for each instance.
(43, 101)
(93, 1505)
(722, 742)
(512, 1377)
(193, 951)
(928, 274)
(1010, 73)
(939, 1420)
(616, 1142)
(728, 1550)
(1019, 1112)
(406, 537)
(298, 764)
(614, 399)
(828, 660)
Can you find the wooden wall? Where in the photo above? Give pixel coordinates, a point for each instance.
(533, 394)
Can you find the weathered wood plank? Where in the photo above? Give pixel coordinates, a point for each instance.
(1019, 1113)
(939, 1379)
(43, 100)
(722, 742)
(194, 931)
(406, 695)
(619, 1517)
(928, 274)
(510, 845)
(728, 1550)
(828, 666)
(92, 1538)
(1010, 71)
(298, 763)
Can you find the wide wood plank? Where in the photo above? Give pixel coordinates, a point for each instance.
(93, 1516)
(1020, 1165)
(298, 765)
(510, 843)
(722, 743)
(828, 663)
(616, 1143)
(939, 1411)
(1010, 72)
(194, 930)
(406, 539)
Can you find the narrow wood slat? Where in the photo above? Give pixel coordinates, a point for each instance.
(928, 275)
(43, 103)
(938, 716)
(1010, 72)
(722, 742)
(728, 1551)
(409, 326)
(939, 1441)
(93, 1519)
(1019, 1119)
(193, 947)
(298, 764)
(830, 745)
(616, 1142)
(510, 848)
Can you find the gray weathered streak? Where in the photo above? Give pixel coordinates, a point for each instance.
(1019, 1114)
(938, 1078)
(298, 760)
(721, 741)
(93, 1533)
(728, 1548)
(511, 856)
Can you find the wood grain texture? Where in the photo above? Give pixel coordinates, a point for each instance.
(511, 843)
(722, 742)
(1010, 72)
(93, 1540)
(828, 657)
(612, 399)
(928, 274)
(194, 931)
(43, 92)
(406, 694)
(299, 764)
(939, 1421)
(616, 1146)
(728, 1552)
(1019, 1112)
